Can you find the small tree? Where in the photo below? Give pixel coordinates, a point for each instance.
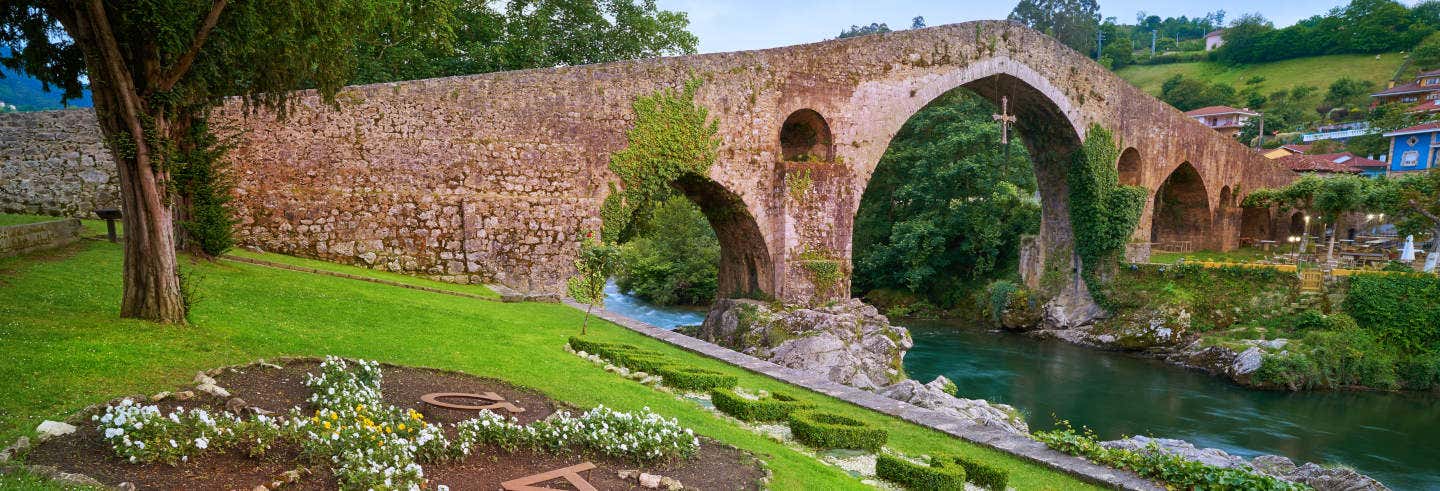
(1299, 195)
(1413, 203)
(592, 270)
(1336, 197)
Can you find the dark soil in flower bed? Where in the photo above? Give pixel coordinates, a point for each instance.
(716, 467)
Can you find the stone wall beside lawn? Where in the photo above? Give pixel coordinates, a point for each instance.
(20, 239)
(55, 163)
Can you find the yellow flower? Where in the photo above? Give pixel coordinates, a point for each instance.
(401, 427)
(334, 416)
(360, 408)
(327, 425)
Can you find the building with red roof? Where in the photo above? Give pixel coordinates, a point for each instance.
(1224, 119)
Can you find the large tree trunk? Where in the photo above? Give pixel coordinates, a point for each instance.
(151, 275)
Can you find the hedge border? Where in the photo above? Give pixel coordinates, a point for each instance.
(981, 474)
(940, 475)
(775, 407)
(828, 430)
(693, 378)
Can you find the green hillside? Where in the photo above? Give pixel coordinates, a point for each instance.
(1317, 71)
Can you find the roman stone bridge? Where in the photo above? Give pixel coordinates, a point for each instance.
(495, 177)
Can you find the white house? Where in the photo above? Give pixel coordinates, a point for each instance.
(1214, 40)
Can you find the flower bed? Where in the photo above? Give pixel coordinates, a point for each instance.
(354, 436)
(827, 430)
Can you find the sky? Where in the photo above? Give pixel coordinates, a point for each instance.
(735, 25)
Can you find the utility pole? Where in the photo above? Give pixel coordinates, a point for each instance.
(1099, 36)
(1152, 43)
(1260, 143)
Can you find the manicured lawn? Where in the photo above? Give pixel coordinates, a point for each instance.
(479, 290)
(65, 348)
(92, 226)
(1238, 255)
(1315, 71)
(8, 219)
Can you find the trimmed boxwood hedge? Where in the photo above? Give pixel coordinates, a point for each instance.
(624, 355)
(982, 474)
(775, 407)
(692, 378)
(828, 430)
(940, 475)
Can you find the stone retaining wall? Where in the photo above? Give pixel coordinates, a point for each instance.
(55, 163)
(20, 239)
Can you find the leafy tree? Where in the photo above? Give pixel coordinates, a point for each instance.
(673, 259)
(1118, 48)
(1072, 22)
(1298, 195)
(1347, 92)
(873, 28)
(918, 22)
(1377, 26)
(1412, 203)
(947, 204)
(520, 34)
(594, 266)
(1188, 93)
(1336, 197)
(155, 67)
(1244, 38)
(1426, 55)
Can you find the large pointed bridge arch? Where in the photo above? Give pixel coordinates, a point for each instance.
(495, 177)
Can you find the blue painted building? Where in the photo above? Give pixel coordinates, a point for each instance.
(1415, 148)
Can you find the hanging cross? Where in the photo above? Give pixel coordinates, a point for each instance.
(1005, 119)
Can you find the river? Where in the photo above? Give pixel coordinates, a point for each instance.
(1392, 437)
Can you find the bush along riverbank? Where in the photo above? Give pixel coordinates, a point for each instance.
(1258, 327)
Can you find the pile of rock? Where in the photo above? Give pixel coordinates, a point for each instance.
(848, 342)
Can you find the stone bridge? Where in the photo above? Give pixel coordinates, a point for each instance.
(495, 177)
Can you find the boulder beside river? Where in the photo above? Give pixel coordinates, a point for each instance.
(1310, 474)
(848, 342)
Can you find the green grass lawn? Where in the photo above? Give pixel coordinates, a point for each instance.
(8, 219)
(1238, 255)
(480, 290)
(65, 348)
(1316, 71)
(92, 226)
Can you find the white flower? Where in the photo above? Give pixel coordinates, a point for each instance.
(202, 443)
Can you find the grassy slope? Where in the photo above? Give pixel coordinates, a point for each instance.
(480, 290)
(66, 349)
(1317, 71)
(8, 219)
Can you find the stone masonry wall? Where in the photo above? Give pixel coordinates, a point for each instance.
(55, 163)
(20, 239)
(495, 177)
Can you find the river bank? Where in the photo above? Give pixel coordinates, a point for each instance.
(1117, 395)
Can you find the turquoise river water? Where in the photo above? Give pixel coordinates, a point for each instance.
(1392, 437)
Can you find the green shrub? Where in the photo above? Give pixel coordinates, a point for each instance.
(1399, 308)
(1152, 463)
(1350, 356)
(642, 361)
(941, 474)
(827, 430)
(775, 407)
(982, 474)
(1419, 372)
(691, 378)
(1293, 371)
(1310, 320)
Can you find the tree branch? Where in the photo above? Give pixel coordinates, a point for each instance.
(1419, 208)
(171, 77)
